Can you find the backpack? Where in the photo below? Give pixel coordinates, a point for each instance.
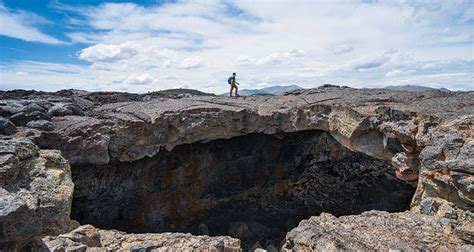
(230, 80)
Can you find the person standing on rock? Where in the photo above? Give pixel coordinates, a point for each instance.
(233, 85)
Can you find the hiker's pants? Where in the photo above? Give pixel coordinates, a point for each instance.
(232, 86)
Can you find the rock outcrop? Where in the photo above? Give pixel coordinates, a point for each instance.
(411, 129)
(381, 231)
(89, 238)
(424, 138)
(35, 193)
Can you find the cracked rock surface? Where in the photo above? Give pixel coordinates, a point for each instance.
(380, 231)
(90, 238)
(35, 193)
(428, 138)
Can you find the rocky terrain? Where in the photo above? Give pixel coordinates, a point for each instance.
(361, 169)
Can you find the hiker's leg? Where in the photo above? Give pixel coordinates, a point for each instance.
(236, 90)
(231, 89)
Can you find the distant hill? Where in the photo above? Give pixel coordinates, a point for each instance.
(415, 88)
(273, 90)
(181, 91)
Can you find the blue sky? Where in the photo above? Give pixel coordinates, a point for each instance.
(140, 46)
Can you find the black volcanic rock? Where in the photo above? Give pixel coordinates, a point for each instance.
(175, 161)
(41, 125)
(22, 118)
(6, 127)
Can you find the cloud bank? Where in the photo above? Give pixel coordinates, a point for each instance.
(198, 44)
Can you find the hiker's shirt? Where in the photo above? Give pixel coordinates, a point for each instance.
(233, 80)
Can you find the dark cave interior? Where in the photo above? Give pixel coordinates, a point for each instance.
(254, 187)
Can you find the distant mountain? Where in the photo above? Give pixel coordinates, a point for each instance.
(415, 88)
(273, 90)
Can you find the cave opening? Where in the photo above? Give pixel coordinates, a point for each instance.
(254, 187)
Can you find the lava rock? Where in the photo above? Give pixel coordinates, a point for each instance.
(438, 207)
(433, 130)
(239, 230)
(35, 193)
(9, 168)
(11, 107)
(376, 231)
(64, 109)
(82, 103)
(112, 240)
(22, 118)
(6, 127)
(31, 107)
(41, 125)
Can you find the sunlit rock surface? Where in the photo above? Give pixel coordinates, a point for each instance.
(423, 137)
(90, 238)
(35, 193)
(380, 231)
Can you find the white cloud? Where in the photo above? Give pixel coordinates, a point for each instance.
(108, 52)
(20, 25)
(271, 59)
(368, 64)
(141, 79)
(398, 72)
(192, 62)
(245, 60)
(263, 84)
(341, 49)
(200, 43)
(277, 58)
(428, 66)
(21, 73)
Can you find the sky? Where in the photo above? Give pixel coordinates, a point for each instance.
(149, 45)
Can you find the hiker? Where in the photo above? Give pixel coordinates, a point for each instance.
(233, 85)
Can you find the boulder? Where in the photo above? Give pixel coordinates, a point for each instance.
(378, 231)
(22, 118)
(11, 107)
(83, 103)
(64, 109)
(91, 239)
(35, 193)
(41, 125)
(6, 127)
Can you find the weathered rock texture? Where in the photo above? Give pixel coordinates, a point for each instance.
(89, 238)
(380, 231)
(430, 132)
(427, 137)
(35, 193)
(272, 180)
